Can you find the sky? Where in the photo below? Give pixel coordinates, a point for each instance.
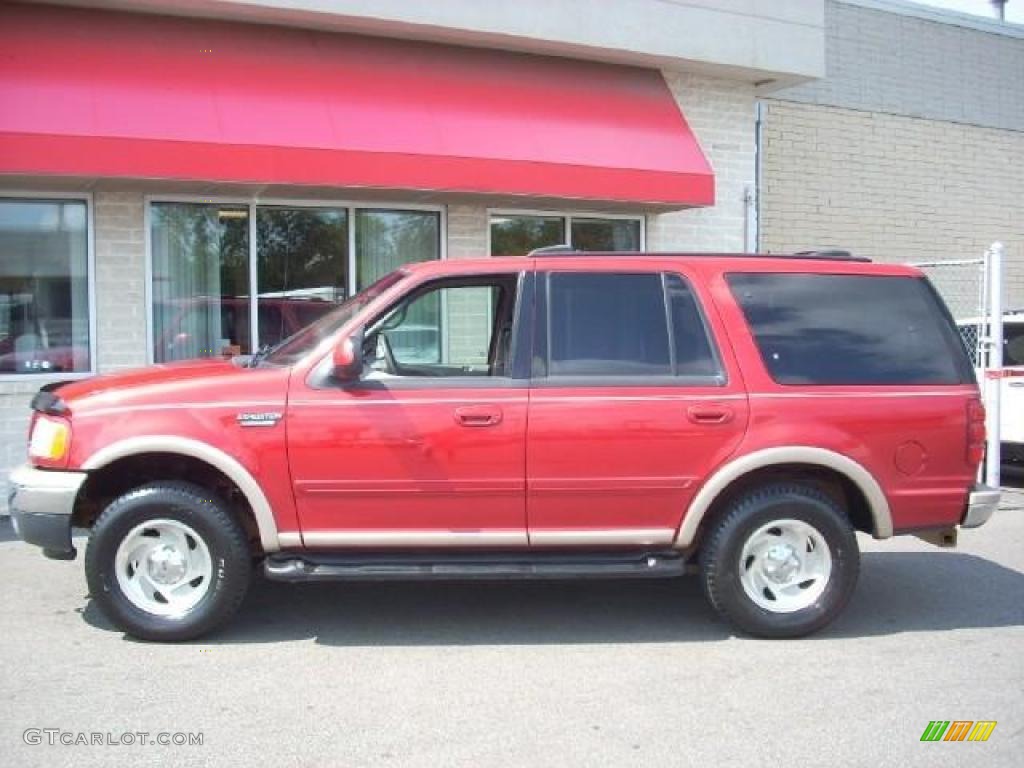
(1014, 8)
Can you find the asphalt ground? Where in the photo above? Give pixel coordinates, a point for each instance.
(628, 673)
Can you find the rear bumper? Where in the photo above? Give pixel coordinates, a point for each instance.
(41, 503)
(981, 503)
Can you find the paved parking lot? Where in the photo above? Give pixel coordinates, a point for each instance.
(595, 674)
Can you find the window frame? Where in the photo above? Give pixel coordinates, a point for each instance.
(542, 333)
(61, 195)
(567, 218)
(251, 204)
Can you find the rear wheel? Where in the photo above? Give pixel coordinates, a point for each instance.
(781, 562)
(167, 561)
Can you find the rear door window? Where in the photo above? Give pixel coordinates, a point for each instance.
(614, 325)
(851, 329)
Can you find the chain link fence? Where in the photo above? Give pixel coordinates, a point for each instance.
(972, 289)
(963, 286)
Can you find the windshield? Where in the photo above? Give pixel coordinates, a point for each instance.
(299, 344)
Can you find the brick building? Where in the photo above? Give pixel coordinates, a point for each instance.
(186, 180)
(910, 149)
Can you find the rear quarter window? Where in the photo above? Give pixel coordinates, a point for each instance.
(851, 329)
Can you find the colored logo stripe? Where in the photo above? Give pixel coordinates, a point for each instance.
(982, 730)
(958, 730)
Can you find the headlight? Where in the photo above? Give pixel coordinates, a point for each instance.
(50, 439)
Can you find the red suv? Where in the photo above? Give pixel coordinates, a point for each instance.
(558, 416)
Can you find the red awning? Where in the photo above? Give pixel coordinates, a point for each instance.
(104, 94)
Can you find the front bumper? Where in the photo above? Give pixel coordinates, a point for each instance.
(982, 502)
(41, 503)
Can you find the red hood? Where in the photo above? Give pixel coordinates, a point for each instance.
(184, 382)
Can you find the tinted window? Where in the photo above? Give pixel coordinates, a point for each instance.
(1013, 344)
(850, 329)
(693, 353)
(607, 324)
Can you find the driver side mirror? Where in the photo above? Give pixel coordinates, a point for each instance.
(348, 358)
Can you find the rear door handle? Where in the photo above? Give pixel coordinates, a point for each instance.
(478, 416)
(709, 414)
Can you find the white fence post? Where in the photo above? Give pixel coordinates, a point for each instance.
(994, 369)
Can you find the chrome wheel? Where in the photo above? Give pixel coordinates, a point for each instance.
(785, 566)
(163, 567)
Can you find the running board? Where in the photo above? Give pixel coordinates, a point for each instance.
(458, 566)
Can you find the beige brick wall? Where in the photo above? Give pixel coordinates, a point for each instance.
(120, 279)
(891, 187)
(467, 231)
(721, 115)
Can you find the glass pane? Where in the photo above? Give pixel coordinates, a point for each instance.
(385, 240)
(607, 325)
(605, 234)
(200, 280)
(449, 331)
(815, 329)
(1013, 344)
(44, 287)
(694, 356)
(302, 267)
(518, 235)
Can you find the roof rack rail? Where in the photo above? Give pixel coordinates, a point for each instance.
(829, 254)
(825, 255)
(550, 250)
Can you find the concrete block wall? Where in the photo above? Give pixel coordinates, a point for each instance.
(721, 115)
(910, 60)
(890, 187)
(120, 279)
(910, 149)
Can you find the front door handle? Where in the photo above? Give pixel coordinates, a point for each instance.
(478, 416)
(709, 414)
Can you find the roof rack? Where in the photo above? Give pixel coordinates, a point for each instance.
(824, 255)
(830, 254)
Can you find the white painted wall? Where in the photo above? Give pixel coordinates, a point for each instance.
(754, 40)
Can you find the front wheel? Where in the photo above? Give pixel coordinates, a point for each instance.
(167, 561)
(781, 562)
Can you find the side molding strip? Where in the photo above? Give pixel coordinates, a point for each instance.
(790, 454)
(213, 456)
(414, 538)
(612, 537)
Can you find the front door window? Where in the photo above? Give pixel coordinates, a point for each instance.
(449, 329)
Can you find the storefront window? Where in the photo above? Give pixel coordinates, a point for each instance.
(606, 234)
(301, 267)
(200, 280)
(44, 287)
(518, 234)
(385, 240)
(202, 300)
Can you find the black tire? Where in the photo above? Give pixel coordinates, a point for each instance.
(204, 514)
(723, 548)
